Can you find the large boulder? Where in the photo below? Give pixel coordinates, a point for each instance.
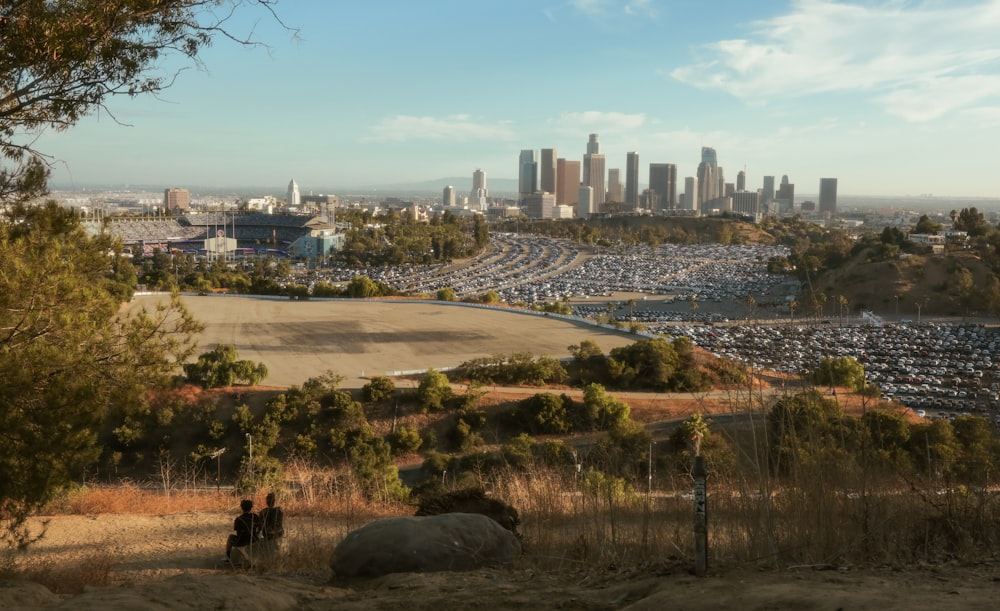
(423, 544)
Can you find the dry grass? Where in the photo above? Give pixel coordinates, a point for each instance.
(74, 577)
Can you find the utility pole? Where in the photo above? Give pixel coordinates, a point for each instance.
(700, 517)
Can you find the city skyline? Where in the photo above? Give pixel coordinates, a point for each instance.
(893, 98)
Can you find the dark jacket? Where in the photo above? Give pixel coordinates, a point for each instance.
(247, 527)
(272, 522)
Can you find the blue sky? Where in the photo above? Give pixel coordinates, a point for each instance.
(892, 97)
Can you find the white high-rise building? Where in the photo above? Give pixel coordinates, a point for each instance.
(691, 193)
(448, 196)
(294, 197)
(585, 202)
(479, 194)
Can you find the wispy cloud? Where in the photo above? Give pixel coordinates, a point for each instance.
(459, 128)
(596, 120)
(918, 61)
(602, 8)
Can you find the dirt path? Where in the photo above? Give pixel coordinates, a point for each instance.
(169, 562)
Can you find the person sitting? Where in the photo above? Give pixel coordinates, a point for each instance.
(272, 519)
(247, 527)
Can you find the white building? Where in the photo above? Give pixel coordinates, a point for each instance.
(294, 197)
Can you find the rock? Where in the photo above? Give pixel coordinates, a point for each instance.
(470, 500)
(423, 544)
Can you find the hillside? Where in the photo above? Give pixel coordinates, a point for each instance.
(927, 280)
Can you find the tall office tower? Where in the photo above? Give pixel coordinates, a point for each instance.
(785, 197)
(448, 196)
(747, 203)
(585, 202)
(729, 189)
(479, 183)
(708, 176)
(593, 171)
(547, 173)
(293, 197)
(479, 194)
(177, 200)
(593, 146)
(768, 194)
(720, 188)
(567, 182)
(632, 181)
(707, 183)
(828, 195)
(741, 181)
(616, 190)
(527, 177)
(691, 199)
(663, 182)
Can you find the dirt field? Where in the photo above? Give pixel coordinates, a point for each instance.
(298, 340)
(171, 562)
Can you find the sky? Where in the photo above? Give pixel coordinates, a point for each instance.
(891, 97)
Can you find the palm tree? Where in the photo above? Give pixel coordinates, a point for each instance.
(631, 309)
(791, 309)
(751, 305)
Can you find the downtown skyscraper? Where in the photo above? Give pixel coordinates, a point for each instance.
(632, 181)
(567, 182)
(527, 175)
(828, 195)
(547, 182)
(708, 176)
(663, 184)
(593, 172)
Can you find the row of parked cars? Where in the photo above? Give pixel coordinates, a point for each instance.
(930, 367)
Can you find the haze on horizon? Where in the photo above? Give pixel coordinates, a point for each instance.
(891, 98)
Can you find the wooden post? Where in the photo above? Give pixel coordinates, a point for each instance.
(700, 517)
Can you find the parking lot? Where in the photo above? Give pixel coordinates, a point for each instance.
(938, 370)
(702, 290)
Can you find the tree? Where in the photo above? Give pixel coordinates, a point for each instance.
(544, 413)
(378, 388)
(972, 221)
(446, 294)
(63, 60)
(840, 371)
(926, 225)
(220, 367)
(70, 355)
(434, 390)
(605, 412)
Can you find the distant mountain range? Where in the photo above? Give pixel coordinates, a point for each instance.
(462, 184)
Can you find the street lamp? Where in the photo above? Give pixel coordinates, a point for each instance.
(217, 455)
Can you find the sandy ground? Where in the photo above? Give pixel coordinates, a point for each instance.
(298, 340)
(170, 562)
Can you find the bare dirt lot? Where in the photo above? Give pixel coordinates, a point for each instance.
(298, 340)
(171, 562)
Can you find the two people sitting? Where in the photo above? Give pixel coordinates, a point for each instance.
(268, 525)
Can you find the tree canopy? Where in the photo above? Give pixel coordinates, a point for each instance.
(69, 354)
(62, 60)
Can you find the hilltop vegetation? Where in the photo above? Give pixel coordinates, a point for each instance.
(887, 272)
